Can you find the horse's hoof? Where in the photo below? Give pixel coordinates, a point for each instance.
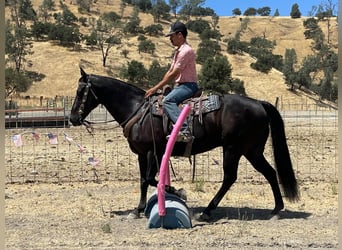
(133, 215)
(181, 193)
(274, 217)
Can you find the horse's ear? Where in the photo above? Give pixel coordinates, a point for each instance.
(83, 73)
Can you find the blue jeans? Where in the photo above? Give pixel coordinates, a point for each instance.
(175, 97)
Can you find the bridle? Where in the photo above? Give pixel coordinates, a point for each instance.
(87, 89)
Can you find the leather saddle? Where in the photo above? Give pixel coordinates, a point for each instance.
(199, 105)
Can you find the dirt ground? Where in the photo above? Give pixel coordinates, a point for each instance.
(94, 216)
(89, 215)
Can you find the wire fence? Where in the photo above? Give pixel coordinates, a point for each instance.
(71, 154)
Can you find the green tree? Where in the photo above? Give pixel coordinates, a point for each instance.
(66, 35)
(326, 11)
(214, 21)
(146, 46)
(17, 40)
(264, 62)
(207, 49)
(155, 73)
(107, 33)
(314, 32)
(45, 9)
(174, 5)
(208, 34)
(295, 12)
(154, 29)
(289, 72)
(66, 17)
(310, 64)
(262, 49)
(111, 17)
(236, 12)
(276, 13)
(250, 11)
(264, 11)
(40, 29)
(135, 72)
(160, 10)
(144, 5)
(26, 11)
(216, 76)
(133, 25)
(235, 46)
(188, 6)
(311, 26)
(15, 81)
(200, 11)
(91, 39)
(198, 26)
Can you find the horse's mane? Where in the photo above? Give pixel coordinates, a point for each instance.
(112, 80)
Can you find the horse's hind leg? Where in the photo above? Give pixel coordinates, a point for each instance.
(261, 164)
(230, 166)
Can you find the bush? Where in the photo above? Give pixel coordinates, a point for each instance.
(40, 29)
(16, 81)
(91, 39)
(216, 76)
(295, 12)
(208, 34)
(65, 34)
(83, 21)
(198, 26)
(235, 46)
(154, 30)
(155, 73)
(111, 17)
(135, 72)
(147, 46)
(207, 49)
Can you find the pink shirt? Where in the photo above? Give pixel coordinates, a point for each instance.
(185, 60)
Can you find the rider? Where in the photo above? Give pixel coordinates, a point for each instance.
(183, 72)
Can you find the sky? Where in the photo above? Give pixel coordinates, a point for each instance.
(225, 7)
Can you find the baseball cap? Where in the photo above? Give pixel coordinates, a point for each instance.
(178, 27)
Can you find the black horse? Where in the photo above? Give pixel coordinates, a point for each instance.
(240, 125)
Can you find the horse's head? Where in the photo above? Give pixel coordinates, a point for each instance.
(85, 100)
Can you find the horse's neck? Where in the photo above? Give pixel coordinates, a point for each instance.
(121, 109)
(120, 99)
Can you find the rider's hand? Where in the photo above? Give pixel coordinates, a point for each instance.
(149, 92)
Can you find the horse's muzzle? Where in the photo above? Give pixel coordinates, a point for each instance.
(75, 120)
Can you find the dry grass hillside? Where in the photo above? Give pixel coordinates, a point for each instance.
(60, 65)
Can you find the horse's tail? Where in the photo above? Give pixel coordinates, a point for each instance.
(281, 153)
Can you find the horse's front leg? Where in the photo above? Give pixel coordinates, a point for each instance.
(148, 171)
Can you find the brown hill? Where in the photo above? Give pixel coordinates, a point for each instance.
(60, 65)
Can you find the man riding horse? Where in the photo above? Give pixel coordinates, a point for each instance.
(183, 72)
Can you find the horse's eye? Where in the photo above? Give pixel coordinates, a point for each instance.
(80, 88)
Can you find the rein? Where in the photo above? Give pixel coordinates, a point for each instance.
(133, 114)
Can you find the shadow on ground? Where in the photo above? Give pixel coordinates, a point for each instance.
(247, 213)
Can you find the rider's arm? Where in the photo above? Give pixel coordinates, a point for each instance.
(168, 77)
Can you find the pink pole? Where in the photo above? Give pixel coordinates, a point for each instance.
(164, 173)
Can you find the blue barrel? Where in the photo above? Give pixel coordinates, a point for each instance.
(177, 213)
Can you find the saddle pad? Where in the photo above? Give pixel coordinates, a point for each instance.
(211, 103)
(199, 105)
